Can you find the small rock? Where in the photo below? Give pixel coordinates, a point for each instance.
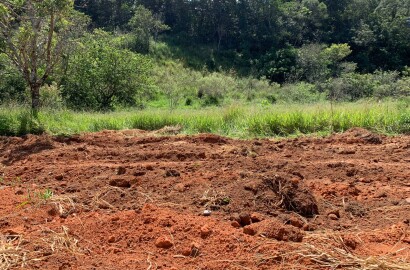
(407, 200)
(296, 222)
(207, 213)
(111, 239)
(347, 152)
(115, 219)
(59, 177)
(82, 148)
(249, 230)
(19, 191)
(365, 180)
(52, 211)
(172, 173)
(163, 242)
(245, 219)
(119, 182)
(235, 217)
(139, 173)
(256, 217)
(335, 212)
(179, 187)
(114, 250)
(121, 170)
(19, 230)
(380, 194)
(350, 241)
(235, 224)
(186, 251)
(332, 217)
(194, 249)
(205, 231)
(309, 227)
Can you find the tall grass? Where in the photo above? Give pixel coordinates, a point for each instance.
(240, 121)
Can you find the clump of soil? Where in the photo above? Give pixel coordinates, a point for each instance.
(295, 195)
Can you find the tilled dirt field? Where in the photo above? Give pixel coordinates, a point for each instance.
(136, 200)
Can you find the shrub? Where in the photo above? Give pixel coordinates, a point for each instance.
(351, 87)
(214, 87)
(50, 97)
(301, 93)
(101, 76)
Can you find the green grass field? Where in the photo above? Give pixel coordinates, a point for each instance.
(236, 121)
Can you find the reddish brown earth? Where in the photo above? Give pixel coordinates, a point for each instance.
(136, 200)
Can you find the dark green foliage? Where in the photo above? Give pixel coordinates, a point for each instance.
(12, 85)
(101, 76)
(144, 25)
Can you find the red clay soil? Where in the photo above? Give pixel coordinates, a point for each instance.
(136, 200)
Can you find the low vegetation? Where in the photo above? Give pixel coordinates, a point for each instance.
(241, 121)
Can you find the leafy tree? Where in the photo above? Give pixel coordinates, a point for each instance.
(101, 76)
(144, 26)
(317, 62)
(35, 36)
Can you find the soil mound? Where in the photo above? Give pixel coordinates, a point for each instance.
(360, 135)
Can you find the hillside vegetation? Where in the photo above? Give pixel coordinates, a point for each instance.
(280, 67)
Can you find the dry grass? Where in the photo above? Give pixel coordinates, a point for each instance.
(64, 205)
(329, 250)
(62, 241)
(212, 199)
(11, 255)
(98, 200)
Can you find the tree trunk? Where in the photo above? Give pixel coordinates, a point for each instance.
(35, 99)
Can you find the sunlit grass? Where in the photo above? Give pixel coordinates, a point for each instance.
(241, 121)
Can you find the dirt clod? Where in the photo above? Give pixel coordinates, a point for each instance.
(205, 231)
(121, 170)
(179, 187)
(295, 196)
(120, 182)
(250, 230)
(332, 217)
(163, 242)
(245, 219)
(235, 224)
(172, 173)
(275, 229)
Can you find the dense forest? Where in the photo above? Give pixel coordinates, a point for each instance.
(106, 54)
(265, 33)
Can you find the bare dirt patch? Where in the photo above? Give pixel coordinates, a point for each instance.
(139, 200)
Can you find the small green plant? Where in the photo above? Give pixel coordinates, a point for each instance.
(226, 201)
(33, 197)
(47, 194)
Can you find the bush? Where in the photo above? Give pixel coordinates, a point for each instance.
(350, 87)
(176, 83)
(50, 97)
(213, 88)
(101, 76)
(300, 93)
